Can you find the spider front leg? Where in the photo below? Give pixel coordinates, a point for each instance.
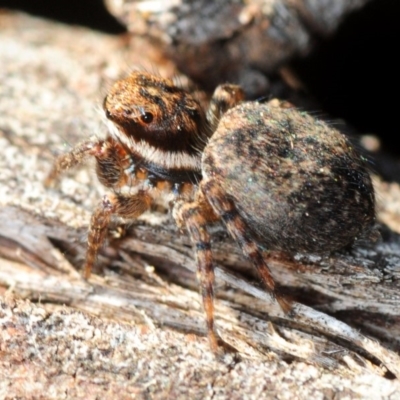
(111, 162)
(71, 159)
(129, 207)
(237, 227)
(195, 216)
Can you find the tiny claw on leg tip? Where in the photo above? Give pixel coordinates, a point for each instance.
(219, 347)
(87, 272)
(285, 304)
(213, 339)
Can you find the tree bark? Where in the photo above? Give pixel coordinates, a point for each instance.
(136, 328)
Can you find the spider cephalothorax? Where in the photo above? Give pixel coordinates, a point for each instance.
(278, 178)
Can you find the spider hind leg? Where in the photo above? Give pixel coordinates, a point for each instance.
(225, 208)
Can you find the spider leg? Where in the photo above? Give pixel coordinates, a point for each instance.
(237, 227)
(111, 162)
(71, 159)
(125, 206)
(224, 97)
(195, 216)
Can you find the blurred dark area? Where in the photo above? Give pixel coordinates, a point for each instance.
(353, 75)
(90, 13)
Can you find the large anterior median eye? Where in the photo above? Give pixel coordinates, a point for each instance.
(146, 117)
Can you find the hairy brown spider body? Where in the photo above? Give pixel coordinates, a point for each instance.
(277, 178)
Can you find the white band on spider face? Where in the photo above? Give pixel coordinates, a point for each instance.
(151, 154)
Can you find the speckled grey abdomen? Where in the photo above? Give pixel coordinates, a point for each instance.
(297, 182)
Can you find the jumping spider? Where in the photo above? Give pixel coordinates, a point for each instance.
(278, 178)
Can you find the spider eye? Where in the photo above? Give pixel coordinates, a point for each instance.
(146, 117)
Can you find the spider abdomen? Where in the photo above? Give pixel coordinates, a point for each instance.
(297, 182)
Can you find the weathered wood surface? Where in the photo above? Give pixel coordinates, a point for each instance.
(136, 328)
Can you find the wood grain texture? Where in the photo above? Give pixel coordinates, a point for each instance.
(135, 330)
